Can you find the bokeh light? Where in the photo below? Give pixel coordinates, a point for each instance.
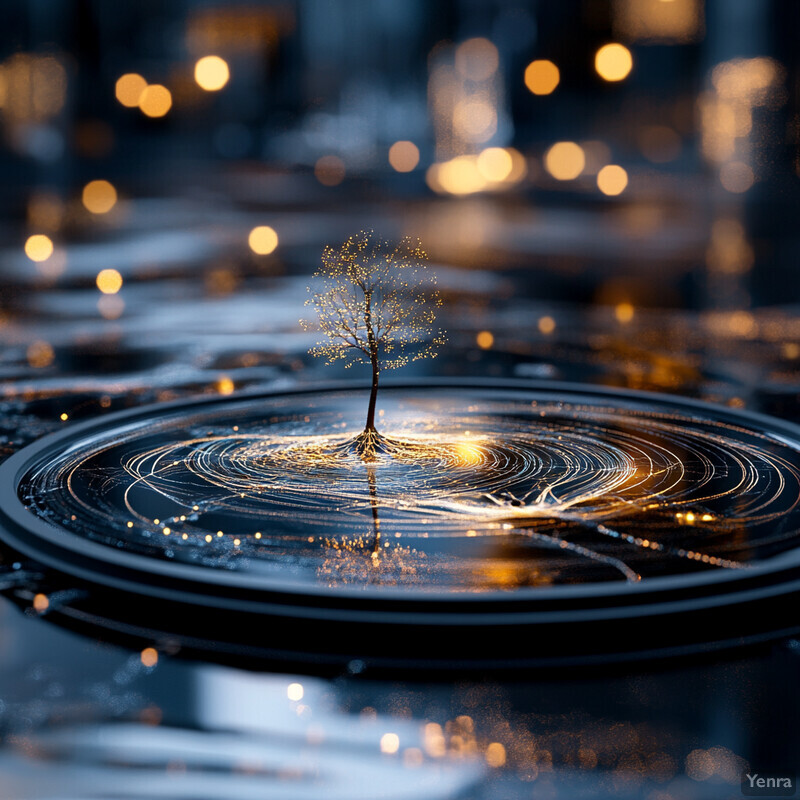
(329, 170)
(129, 88)
(736, 177)
(263, 240)
(155, 101)
(38, 247)
(565, 161)
(613, 62)
(211, 73)
(542, 77)
(485, 340)
(390, 743)
(477, 59)
(495, 164)
(99, 197)
(475, 120)
(623, 312)
(109, 281)
(403, 156)
(40, 354)
(612, 180)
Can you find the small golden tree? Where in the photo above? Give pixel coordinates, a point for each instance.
(376, 304)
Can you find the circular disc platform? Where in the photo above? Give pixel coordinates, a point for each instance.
(487, 525)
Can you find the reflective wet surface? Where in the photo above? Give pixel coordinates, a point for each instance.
(467, 489)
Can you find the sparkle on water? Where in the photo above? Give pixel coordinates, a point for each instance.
(463, 489)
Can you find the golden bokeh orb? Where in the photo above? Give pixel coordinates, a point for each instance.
(565, 161)
(109, 281)
(404, 156)
(495, 164)
(263, 240)
(99, 197)
(39, 247)
(211, 73)
(156, 101)
(542, 77)
(613, 62)
(612, 180)
(128, 89)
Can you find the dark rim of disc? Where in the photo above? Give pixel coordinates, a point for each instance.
(102, 564)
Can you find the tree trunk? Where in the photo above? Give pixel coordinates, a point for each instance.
(373, 396)
(373, 357)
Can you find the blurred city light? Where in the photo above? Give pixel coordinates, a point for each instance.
(211, 73)
(565, 161)
(155, 100)
(109, 281)
(38, 247)
(99, 196)
(128, 89)
(542, 77)
(404, 156)
(613, 62)
(263, 240)
(612, 179)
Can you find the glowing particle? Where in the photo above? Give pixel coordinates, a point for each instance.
(99, 197)
(130, 524)
(220, 534)
(612, 180)
(209, 537)
(690, 517)
(129, 88)
(623, 312)
(404, 156)
(156, 521)
(211, 73)
(258, 534)
(542, 77)
(38, 247)
(485, 340)
(565, 161)
(155, 101)
(263, 240)
(184, 536)
(149, 657)
(237, 542)
(109, 281)
(64, 416)
(167, 531)
(613, 62)
(546, 325)
(390, 743)
(295, 692)
(41, 602)
(495, 755)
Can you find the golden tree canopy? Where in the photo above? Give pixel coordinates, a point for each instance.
(376, 301)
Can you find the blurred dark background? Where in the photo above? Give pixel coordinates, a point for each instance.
(608, 192)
